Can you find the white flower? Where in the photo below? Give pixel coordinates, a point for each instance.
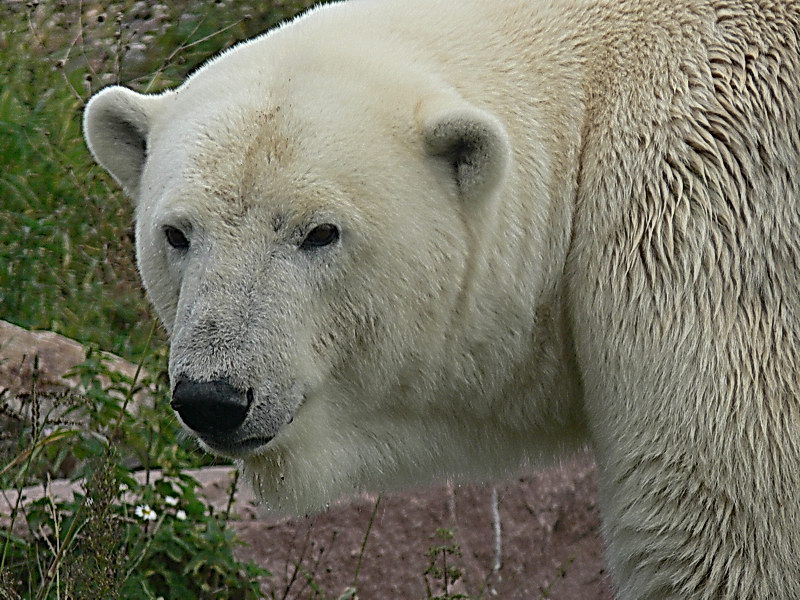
(180, 515)
(171, 500)
(144, 512)
(123, 487)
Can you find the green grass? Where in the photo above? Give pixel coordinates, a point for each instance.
(64, 254)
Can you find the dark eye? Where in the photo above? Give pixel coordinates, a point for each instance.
(321, 235)
(176, 238)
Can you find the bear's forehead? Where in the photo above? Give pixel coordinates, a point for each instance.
(271, 149)
(238, 196)
(234, 159)
(240, 153)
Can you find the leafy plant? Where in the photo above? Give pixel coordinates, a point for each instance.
(122, 536)
(443, 572)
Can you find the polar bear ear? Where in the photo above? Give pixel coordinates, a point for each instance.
(116, 123)
(473, 142)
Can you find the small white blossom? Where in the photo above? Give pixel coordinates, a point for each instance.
(171, 500)
(144, 512)
(123, 487)
(180, 515)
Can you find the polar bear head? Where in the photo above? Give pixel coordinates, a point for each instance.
(303, 229)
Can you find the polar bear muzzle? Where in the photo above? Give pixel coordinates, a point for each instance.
(216, 411)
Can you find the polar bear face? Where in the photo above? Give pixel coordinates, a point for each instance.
(306, 252)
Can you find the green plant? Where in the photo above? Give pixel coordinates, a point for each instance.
(65, 249)
(188, 553)
(443, 572)
(125, 536)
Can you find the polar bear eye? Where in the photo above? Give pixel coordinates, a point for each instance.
(321, 235)
(176, 238)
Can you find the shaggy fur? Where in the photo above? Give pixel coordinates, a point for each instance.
(562, 222)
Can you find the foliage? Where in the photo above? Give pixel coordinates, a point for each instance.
(124, 536)
(442, 572)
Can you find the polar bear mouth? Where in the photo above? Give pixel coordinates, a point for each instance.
(236, 448)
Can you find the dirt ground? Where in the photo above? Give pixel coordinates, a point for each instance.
(550, 541)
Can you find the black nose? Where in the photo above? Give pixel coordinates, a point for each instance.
(210, 406)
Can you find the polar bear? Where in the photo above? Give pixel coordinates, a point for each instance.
(394, 242)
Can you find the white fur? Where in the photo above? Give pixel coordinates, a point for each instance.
(561, 222)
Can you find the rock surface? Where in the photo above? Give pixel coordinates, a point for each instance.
(550, 543)
(50, 356)
(45, 360)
